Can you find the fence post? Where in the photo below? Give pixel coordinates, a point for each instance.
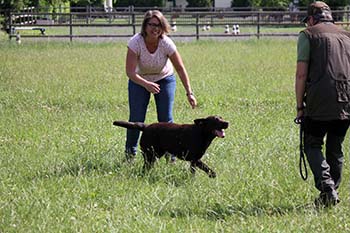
(258, 26)
(110, 15)
(197, 26)
(10, 23)
(131, 9)
(88, 14)
(133, 23)
(70, 27)
(36, 14)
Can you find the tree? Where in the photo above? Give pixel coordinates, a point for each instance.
(200, 3)
(87, 2)
(15, 4)
(140, 3)
(284, 3)
(333, 4)
(240, 3)
(246, 3)
(275, 3)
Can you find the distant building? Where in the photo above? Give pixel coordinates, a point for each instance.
(176, 3)
(108, 5)
(222, 3)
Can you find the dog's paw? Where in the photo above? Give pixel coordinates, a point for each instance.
(212, 174)
(193, 170)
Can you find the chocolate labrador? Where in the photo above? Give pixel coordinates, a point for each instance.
(186, 141)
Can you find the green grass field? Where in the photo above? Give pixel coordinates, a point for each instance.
(62, 165)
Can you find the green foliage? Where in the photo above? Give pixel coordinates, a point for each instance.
(140, 3)
(332, 3)
(87, 2)
(200, 3)
(283, 3)
(275, 3)
(240, 3)
(247, 3)
(337, 3)
(15, 5)
(20, 4)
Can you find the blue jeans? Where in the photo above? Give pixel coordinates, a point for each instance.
(138, 102)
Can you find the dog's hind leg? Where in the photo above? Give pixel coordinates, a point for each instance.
(149, 160)
(203, 167)
(193, 168)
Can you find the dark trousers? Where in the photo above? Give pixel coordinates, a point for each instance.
(327, 171)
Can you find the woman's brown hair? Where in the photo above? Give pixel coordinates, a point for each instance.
(157, 14)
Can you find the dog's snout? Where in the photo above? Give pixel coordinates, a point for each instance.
(225, 124)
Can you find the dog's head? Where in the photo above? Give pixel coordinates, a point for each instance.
(214, 124)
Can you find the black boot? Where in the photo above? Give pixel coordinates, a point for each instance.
(327, 199)
(130, 157)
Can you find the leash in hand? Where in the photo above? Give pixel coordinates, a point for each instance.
(302, 163)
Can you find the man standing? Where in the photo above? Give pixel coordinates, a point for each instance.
(322, 89)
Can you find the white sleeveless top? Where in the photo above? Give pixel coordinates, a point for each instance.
(153, 66)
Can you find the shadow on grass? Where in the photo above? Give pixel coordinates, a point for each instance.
(171, 174)
(86, 164)
(222, 212)
(113, 161)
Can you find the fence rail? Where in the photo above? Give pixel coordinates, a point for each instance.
(119, 24)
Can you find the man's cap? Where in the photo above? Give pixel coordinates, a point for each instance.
(320, 11)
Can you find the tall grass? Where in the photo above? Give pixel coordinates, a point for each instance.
(62, 165)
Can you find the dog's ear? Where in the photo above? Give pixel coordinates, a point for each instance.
(199, 121)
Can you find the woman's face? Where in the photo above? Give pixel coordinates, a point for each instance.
(154, 28)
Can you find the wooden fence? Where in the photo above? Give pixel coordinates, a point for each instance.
(119, 24)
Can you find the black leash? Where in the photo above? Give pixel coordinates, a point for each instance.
(300, 121)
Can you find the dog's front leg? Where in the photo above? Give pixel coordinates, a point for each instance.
(204, 167)
(193, 167)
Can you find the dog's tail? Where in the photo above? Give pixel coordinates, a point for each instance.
(130, 125)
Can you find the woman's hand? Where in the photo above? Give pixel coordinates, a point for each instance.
(192, 100)
(152, 87)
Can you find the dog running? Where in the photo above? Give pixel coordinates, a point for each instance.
(186, 141)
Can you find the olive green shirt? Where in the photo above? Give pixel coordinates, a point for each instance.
(303, 48)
